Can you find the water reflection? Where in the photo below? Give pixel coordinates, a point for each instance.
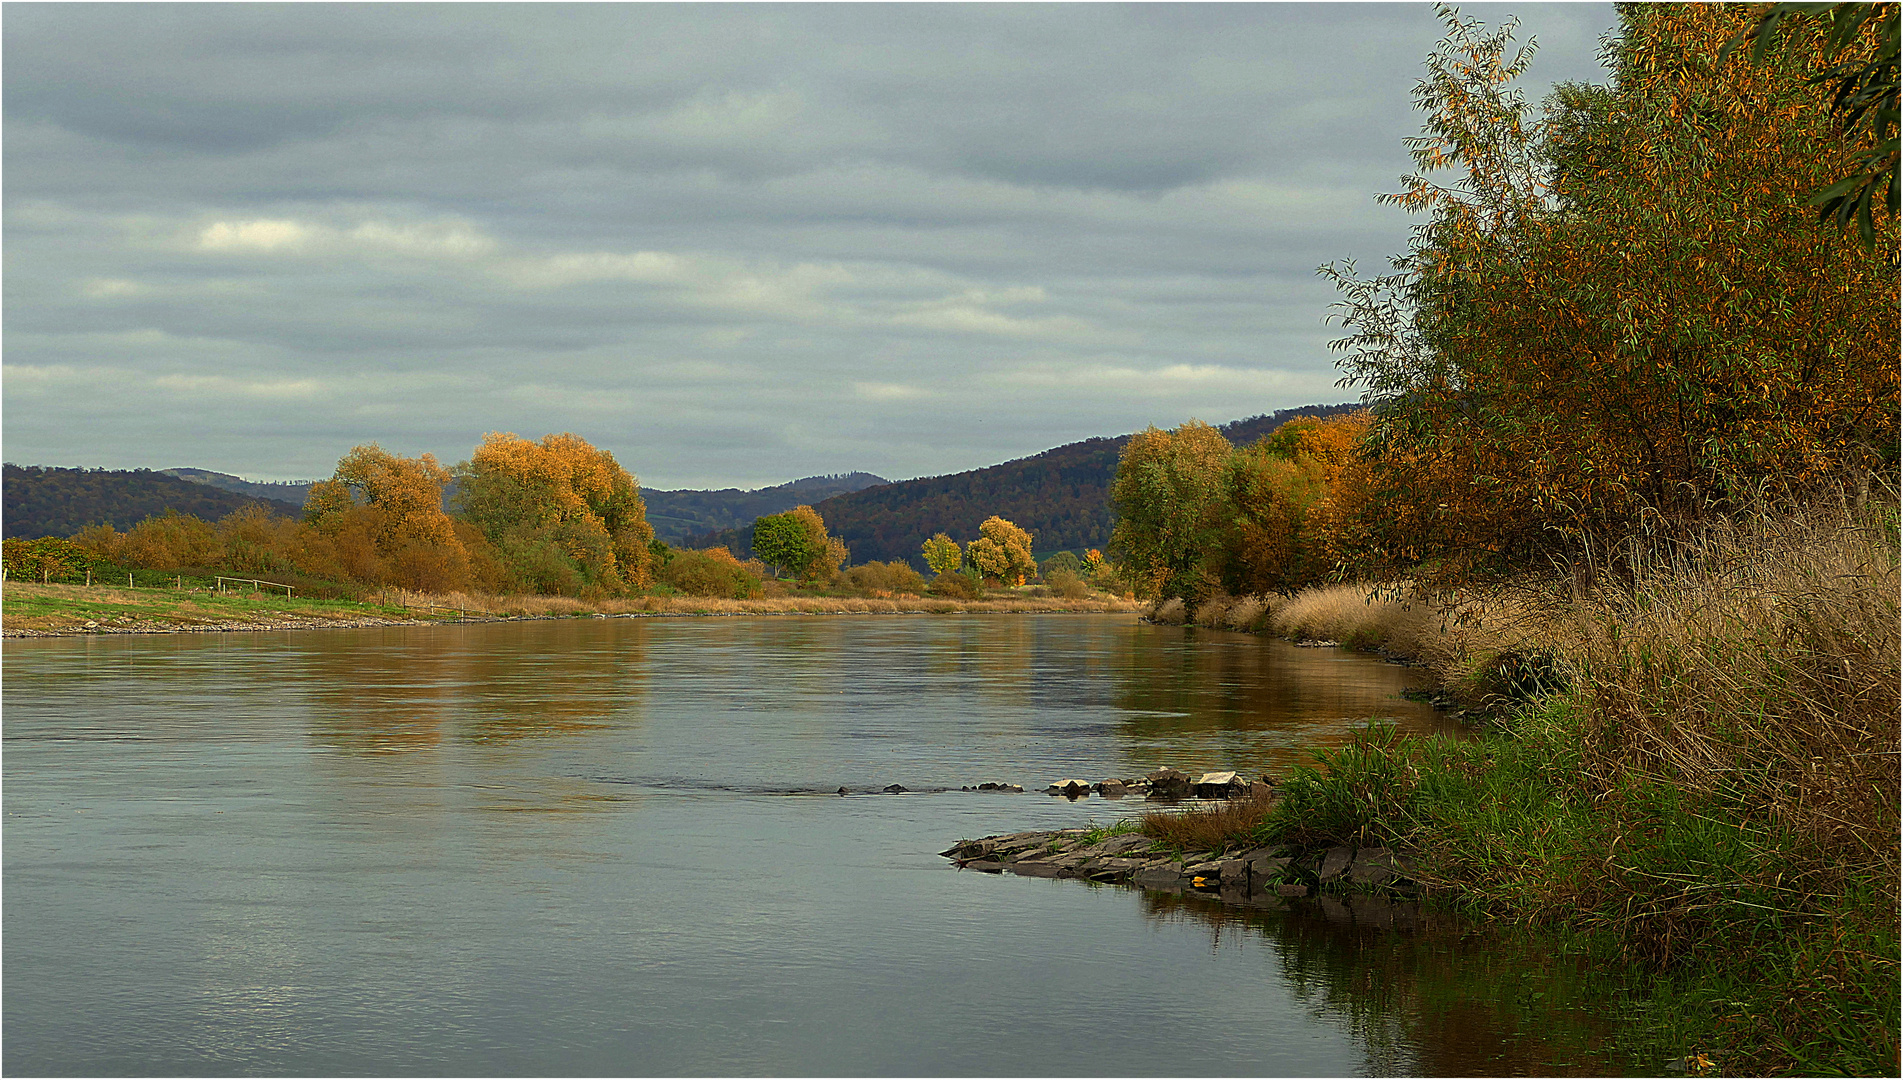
(487, 684)
(1205, 696)
(1425, 993)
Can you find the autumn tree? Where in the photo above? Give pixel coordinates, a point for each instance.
(1003, 551)
(565, 516)
(1169, 498)
(1618, 313)
(943, 555)
(796, 542)
(384, 515)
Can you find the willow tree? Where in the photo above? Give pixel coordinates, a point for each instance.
(383, 513)
(566, 517)
(1171, 510)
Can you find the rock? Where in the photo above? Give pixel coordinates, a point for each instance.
(1335, 863)
(1373, 866)
(1211, 868)
(1233, 872)
(1074, 789)
(1165, 876)
(1262, 869)
(985, 866)
(1000, 787)
(843, 791)
(1113, 789)
(1291, 890)
(893, 789)
(1334, 910)
(1113, 869)
(1167, 783)
(1035, 868)
(1261, 789)
(1117, 845)
(1216, 785)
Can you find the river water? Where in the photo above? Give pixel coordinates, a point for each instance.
(615, 847)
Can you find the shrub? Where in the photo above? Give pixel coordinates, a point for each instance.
(954, 587)
(885, 577)
(714, 572)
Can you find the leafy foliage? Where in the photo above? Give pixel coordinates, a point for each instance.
(797, 542)
(565, 516)
(1002, 551)
(1616, 317)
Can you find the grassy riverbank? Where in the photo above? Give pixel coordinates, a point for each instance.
(34, 609)
(1691, 771)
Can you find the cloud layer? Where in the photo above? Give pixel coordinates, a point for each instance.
(733, 244)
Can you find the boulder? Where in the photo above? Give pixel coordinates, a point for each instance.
(1217, 785)
(1261, 789)
(1167, 783)
(1291, 890)
(1075, 789)
(1233, 872)
(893, 789)
(1335, 864)
(1112, 789)
(1374, 866)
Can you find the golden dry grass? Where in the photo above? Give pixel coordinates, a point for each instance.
(1229, 823)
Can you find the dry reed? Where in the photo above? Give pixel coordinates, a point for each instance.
(1218, 825)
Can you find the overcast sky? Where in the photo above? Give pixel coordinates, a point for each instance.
(735, 245)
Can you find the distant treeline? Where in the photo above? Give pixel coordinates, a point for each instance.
(678, 515)
(1060, 496)
(60, 502)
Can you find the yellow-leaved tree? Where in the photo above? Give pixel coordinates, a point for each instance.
(564, 516)
(1002, 551)
(384, 515)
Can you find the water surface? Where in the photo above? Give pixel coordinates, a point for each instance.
(610, 846)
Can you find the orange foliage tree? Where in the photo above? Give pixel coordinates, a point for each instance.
(1621, 314)
(565, 517)
(383, 517)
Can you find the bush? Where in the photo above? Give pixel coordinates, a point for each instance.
(714, 572)
(1066, 584)
(954, 587)
(885, 577)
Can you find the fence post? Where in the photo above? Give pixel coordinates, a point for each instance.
(89, 577)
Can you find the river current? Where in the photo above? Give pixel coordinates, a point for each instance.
(615, 846)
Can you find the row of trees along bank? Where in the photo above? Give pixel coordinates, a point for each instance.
(555, 517)
(1629, 470)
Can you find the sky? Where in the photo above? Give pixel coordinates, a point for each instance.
(732, 244)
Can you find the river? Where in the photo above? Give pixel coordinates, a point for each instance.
(614, 846)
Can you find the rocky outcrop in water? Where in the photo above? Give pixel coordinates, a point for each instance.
(1273, 873)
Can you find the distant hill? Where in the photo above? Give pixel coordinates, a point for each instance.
(41, 501)
(1061, 495)
(677, 515)
(295, 492)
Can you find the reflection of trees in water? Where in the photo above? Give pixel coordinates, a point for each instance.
(1425, 994)
(1253, 702)
(397, 691)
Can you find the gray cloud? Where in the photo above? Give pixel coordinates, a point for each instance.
(734, 244)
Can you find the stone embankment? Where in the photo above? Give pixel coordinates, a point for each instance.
(1272, 873)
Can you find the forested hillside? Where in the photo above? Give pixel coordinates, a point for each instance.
(1060, 495)
(59, 502)
(290, 491)
(676, 515)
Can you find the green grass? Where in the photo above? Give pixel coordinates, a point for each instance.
(1743, 951)
(57, 607)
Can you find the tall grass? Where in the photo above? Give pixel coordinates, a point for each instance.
(1705, 779)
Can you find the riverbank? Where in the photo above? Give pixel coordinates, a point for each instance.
(1690, 770)
(34, 610)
